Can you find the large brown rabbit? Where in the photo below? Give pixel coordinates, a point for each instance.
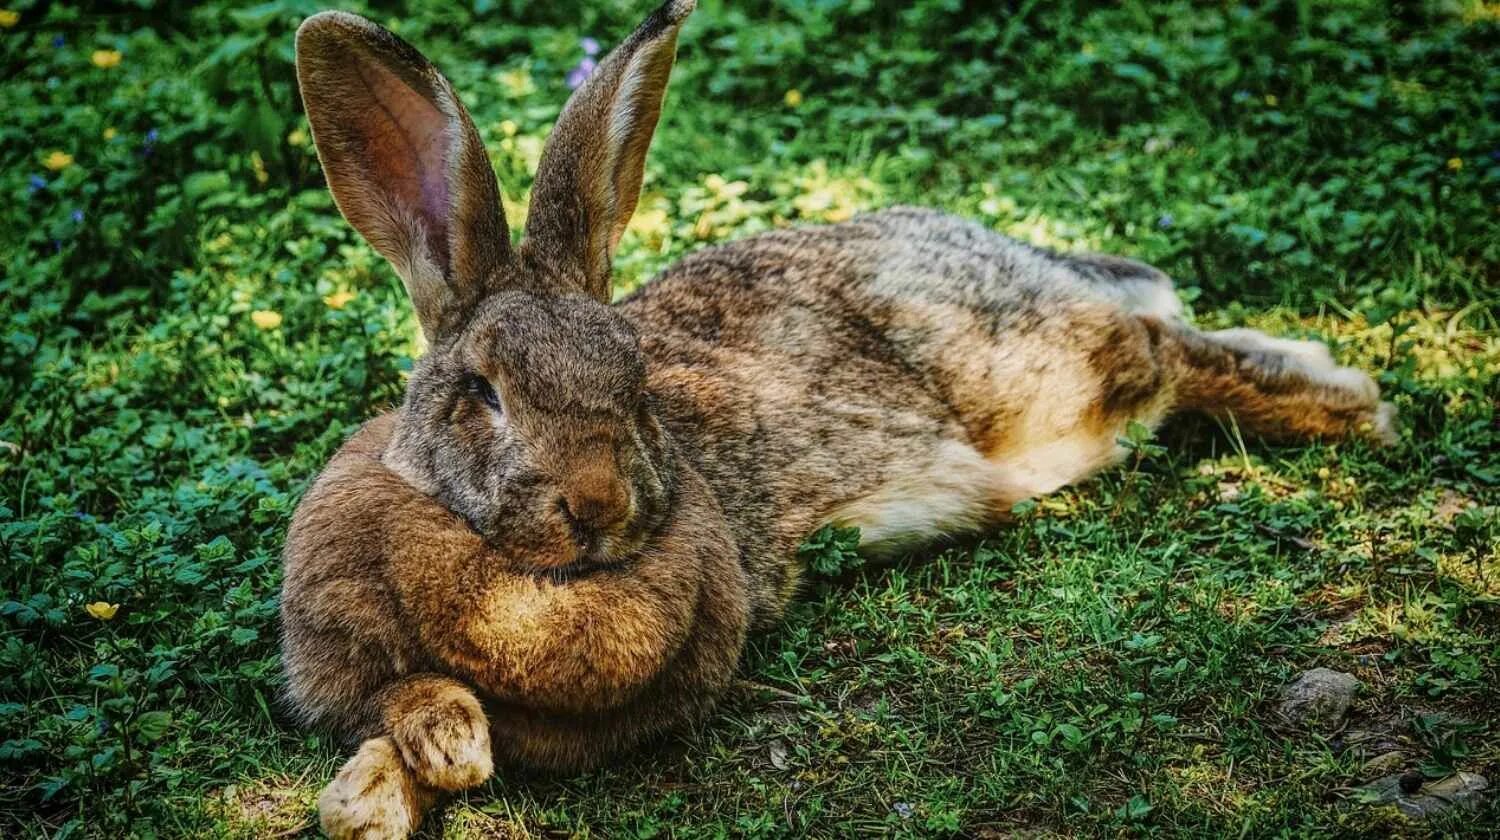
(555, 548)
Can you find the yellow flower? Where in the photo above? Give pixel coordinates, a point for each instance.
(57, 161)
(650, 223)
(109, 133)
(509, 128)
(9, 18)
(297, 137)
(1456, 164)
(516, 82)
(258, 164)
(1271, 100)
(266, 319)
(102, 610)
(106, 58)
(839, 214)
(338, 300)
(793, 98)
(723, 189)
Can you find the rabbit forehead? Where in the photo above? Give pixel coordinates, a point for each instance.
(552, 354)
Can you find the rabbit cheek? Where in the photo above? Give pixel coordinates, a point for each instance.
(474, 428)
(469, 463)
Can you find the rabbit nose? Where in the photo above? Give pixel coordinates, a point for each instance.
(594, 510)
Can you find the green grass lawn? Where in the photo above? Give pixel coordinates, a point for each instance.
(188, 329)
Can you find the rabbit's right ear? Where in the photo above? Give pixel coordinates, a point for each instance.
(404, 163)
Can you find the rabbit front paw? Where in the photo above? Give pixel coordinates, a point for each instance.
(445, 741)
(373, 797)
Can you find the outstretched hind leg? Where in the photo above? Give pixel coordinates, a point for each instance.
(1278, 388)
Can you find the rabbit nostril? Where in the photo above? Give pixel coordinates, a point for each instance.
(583, 530)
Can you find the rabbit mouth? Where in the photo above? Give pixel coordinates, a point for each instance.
(586, 558)
(607, 552)
(584, 567)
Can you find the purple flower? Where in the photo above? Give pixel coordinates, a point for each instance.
(58, 41)
(36, 183)
(148, 146)
(1166, 221)
(151, 136)
(578, 75)
(78, 216)
(590, 46)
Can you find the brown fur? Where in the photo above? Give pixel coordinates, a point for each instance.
(1269, 394)
(555, 548)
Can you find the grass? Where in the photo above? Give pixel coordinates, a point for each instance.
(189, 330)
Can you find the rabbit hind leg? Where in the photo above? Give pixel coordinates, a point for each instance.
(1278, 388)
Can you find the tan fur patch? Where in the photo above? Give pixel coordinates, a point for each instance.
(954, 493)
(373, 797)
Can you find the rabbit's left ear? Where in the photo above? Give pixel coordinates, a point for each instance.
(589, 178)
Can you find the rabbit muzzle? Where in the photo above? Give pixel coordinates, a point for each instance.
(597, 505)
(611, 493)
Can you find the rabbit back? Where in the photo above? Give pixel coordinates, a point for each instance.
(908, 371)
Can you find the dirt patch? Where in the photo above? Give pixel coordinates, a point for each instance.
(280, 806)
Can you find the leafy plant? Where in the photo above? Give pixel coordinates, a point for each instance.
(832, 551)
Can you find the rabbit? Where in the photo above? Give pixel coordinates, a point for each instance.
(554, 549)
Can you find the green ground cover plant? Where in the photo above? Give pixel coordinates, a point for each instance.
(188, 330)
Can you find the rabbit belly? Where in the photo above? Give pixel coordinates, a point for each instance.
(956, 491)
(960, 490)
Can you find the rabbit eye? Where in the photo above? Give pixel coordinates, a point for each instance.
(480, 388)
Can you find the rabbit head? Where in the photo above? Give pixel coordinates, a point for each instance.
(528, 415)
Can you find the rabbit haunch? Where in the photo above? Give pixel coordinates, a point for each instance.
(1038, 361)
(1058, 437)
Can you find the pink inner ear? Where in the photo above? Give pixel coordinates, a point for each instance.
(406, 137)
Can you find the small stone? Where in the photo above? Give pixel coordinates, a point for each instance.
(1318, 697)
(1419, 801)
(1461, 790)
(779, 755)
(1382, 791)
(1386, 762)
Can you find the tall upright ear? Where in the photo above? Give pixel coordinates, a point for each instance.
(404, 163)
(589, 178)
